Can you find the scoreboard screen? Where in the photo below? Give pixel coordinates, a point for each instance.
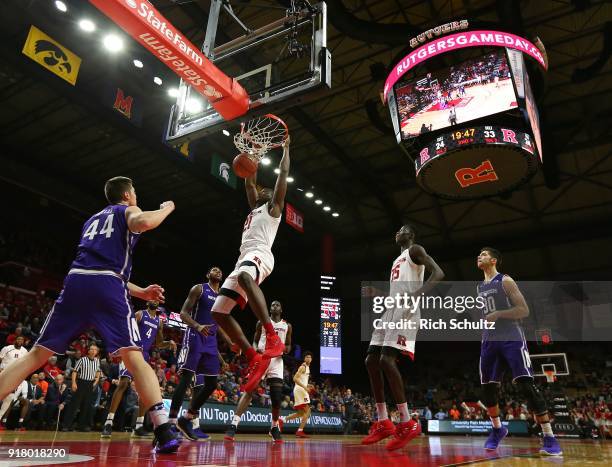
(330, 330)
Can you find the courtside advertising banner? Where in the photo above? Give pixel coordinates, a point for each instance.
(218, 416)
(474, 427)
(145, 24)
(459, 41)
(52, 55)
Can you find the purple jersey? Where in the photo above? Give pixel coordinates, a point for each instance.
(202, 314)
(148, 328)
(107, 243)
(496, 299)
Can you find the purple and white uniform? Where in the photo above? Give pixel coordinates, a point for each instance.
(505, 346)
(199, 354)
(147, 328)
(95, 292)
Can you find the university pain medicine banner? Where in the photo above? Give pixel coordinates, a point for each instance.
(52, 55)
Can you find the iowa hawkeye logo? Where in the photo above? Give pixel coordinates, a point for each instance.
(53, 56)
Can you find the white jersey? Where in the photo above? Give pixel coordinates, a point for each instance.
(281, 330)
(259, 231)
(406, 276)
(303, 378)
(9, 354)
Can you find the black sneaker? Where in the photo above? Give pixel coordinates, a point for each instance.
(141, 432)
(230, 434)
(165, 441)
(276, 434)
(186, 427)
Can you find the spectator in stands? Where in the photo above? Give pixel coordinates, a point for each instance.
(219, 394)
(131, 406)
(440, 414)
(14, 335)
(171, 376)
(169, 392)
(454, 413)
(58, 395)
(36, 399)
(51, 369)
(42, 383)
(349, 407)
(72, 361)
(12, 352)
(20, 398)
(427, 413)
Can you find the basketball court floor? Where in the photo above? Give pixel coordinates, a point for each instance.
(86, 449)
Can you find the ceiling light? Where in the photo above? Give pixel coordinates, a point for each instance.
(193, 105)
(173, 92)
(157, 80)
(290, 179)
(61, 6)
(318, 201)
(335, 214)
(113, 43)
(266, 161)
(226, 133)
(87, 25)
(277, 171)
(326, 208)
(137, 63)
(309, 194)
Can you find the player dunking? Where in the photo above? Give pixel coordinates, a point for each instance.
(301, 398)
(273, 376)
(387, 345)
(95, 294)
(151, 330)
(505, 346)
(199, 355)
(255, 263)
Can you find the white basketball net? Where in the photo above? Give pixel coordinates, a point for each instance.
(259, 135)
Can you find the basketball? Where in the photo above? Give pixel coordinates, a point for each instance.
(244, 166)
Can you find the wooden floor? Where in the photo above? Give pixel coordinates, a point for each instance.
(86, 449)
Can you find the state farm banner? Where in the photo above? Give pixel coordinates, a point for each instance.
(145, 24)
(294, 218)
(459, 41)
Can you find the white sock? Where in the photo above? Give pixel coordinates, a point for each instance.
(381, 410)
(139, 422)
(195, 423)
(159, 415)
(403, 410)
(547, 429)
(235, 420)
(496, 422)
(21, 420)
(110, 416)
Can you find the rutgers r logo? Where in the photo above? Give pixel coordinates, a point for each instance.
(483, 173)
(123, 104)
(401, 340)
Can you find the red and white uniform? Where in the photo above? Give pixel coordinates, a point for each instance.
(406, 277)
(301, 398)
(255, 258)
(276, 368)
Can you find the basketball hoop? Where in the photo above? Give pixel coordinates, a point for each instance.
(261, 134)
(550, 376)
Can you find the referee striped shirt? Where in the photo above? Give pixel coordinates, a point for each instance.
(87, 368)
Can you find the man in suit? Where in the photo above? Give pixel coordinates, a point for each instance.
(36, 399)
(58, 395)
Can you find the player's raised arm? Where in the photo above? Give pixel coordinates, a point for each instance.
(250, 186)
(519, 309)
(420, 256)
(280, 189)
(140, 221)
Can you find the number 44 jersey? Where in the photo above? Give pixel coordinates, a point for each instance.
(107, 243)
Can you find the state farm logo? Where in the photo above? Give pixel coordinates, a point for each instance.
(131, 3)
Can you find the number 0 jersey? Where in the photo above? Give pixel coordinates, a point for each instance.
(106, 243)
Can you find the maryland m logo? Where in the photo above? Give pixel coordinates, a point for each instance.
(123, 104)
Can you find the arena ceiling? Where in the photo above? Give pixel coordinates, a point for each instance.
(60, 142)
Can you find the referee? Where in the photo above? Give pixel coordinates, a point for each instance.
(85, 377)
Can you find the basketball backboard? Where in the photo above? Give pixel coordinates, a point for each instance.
(284, 61)
(556, 362)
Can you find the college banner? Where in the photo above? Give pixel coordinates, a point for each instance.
(474, 427)
(214, 416)
(294, 218)
(123, 100)
(52, 55)
(222, 170)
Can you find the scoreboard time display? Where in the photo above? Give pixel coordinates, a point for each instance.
(330, 328)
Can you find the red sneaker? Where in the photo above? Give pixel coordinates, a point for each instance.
(404, 433)
(20, 428)
(301, 434)
(274, 346)
(280, 424)
(257, 368)
(2, 428)
(379, 431)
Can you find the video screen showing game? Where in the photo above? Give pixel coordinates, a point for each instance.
(455, 95)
